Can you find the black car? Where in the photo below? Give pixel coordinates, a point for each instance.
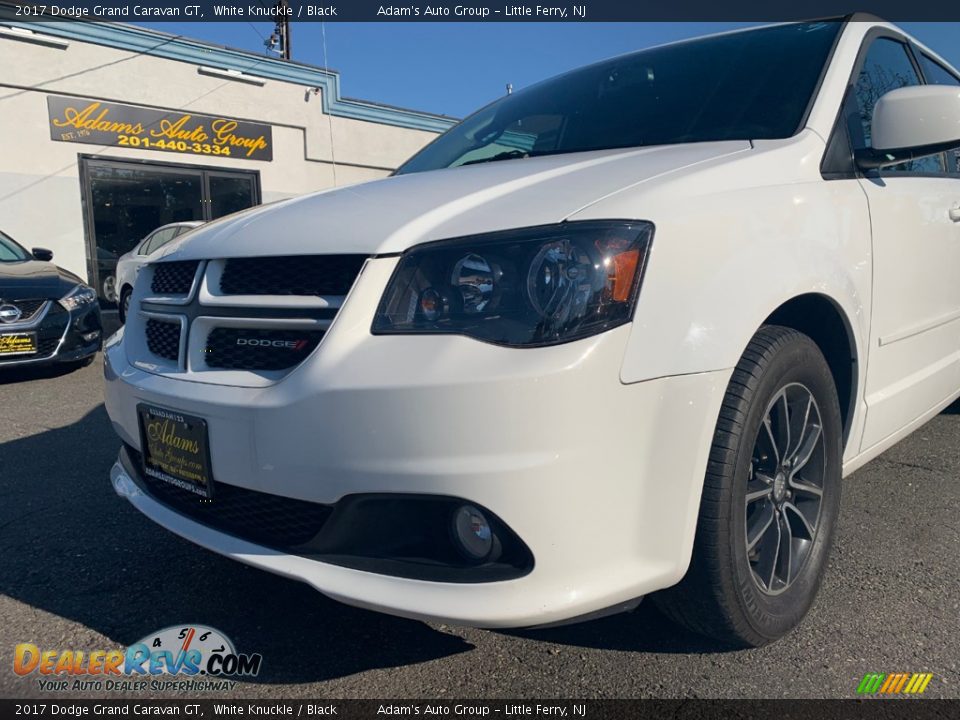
(47, 314)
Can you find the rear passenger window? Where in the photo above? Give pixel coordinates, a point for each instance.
(888, 67)
(937, 74)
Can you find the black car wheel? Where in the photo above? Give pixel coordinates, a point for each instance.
(124, 305)
(770, 499)
(109, 288)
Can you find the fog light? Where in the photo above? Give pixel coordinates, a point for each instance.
(123, 484)
(473, 533)
(87, 337)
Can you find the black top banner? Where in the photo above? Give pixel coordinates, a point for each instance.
(476, 10)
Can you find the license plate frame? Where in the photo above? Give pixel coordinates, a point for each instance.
(175, 448)
(6, 343)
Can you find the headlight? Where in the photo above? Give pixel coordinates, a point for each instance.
(531, 287)
(78, 297)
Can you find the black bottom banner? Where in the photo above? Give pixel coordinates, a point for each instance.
(907, 709)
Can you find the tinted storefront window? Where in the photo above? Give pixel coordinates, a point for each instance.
(128, 201)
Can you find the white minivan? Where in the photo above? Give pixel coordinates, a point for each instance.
(618, 334)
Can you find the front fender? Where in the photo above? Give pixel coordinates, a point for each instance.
(715, 274)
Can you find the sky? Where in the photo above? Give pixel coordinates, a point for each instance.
(456, 68)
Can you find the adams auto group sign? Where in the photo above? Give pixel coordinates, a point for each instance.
(102, 123)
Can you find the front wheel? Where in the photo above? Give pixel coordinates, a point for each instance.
(124, 305)
(109, 288)
(770, 499)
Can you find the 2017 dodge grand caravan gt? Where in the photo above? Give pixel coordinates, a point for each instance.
(618, 334)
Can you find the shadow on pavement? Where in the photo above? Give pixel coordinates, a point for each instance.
(70, 547)
(644, 630)
(953, 409)
(26, 373)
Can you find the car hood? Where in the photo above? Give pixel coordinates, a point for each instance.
(34, 279)
(395, 213)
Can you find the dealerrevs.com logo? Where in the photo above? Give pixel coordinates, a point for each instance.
(180, 657)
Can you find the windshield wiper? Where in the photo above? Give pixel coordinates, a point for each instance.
(506, 155)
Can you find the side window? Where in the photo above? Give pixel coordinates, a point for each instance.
(888, 67)
(937, 74)
(145, 245)
(163, 237)
(159, 239)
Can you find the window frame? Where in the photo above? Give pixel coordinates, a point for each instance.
(838, 162)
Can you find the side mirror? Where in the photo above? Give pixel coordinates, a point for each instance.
(913, 122)
(43, 254)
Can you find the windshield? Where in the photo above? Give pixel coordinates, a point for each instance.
(742, 86)
(10, 251)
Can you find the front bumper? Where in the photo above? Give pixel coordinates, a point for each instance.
(600, 480)
(604, 489)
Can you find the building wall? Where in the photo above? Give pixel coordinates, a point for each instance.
(40, 193)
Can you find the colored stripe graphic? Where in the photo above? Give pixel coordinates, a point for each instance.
(870, 684)
(894, 683)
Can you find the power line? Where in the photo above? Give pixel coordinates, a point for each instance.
(257, 31)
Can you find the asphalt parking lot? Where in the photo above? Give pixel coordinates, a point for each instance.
(80, 569)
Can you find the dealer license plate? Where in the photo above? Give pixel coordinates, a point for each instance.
(18, 344)
(175, 449)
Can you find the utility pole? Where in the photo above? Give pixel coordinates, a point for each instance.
(282, 30)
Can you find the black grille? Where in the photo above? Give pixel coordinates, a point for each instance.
(257, 349)
(299, 275)
(174, 278)
(28, 308)
(53, 325)
(265, 519)
(163, 338)
(47, 346)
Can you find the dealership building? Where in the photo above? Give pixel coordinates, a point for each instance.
(109, 131)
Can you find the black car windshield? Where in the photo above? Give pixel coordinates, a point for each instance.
(11, 251)
(741, 86)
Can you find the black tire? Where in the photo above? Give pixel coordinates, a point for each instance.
(728, 592)
(124, 303)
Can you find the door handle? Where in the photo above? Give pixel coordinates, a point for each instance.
(955, 214)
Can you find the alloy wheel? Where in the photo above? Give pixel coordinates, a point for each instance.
(110, 289)
(784, 489)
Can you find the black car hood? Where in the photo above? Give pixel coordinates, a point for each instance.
(33, 279)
